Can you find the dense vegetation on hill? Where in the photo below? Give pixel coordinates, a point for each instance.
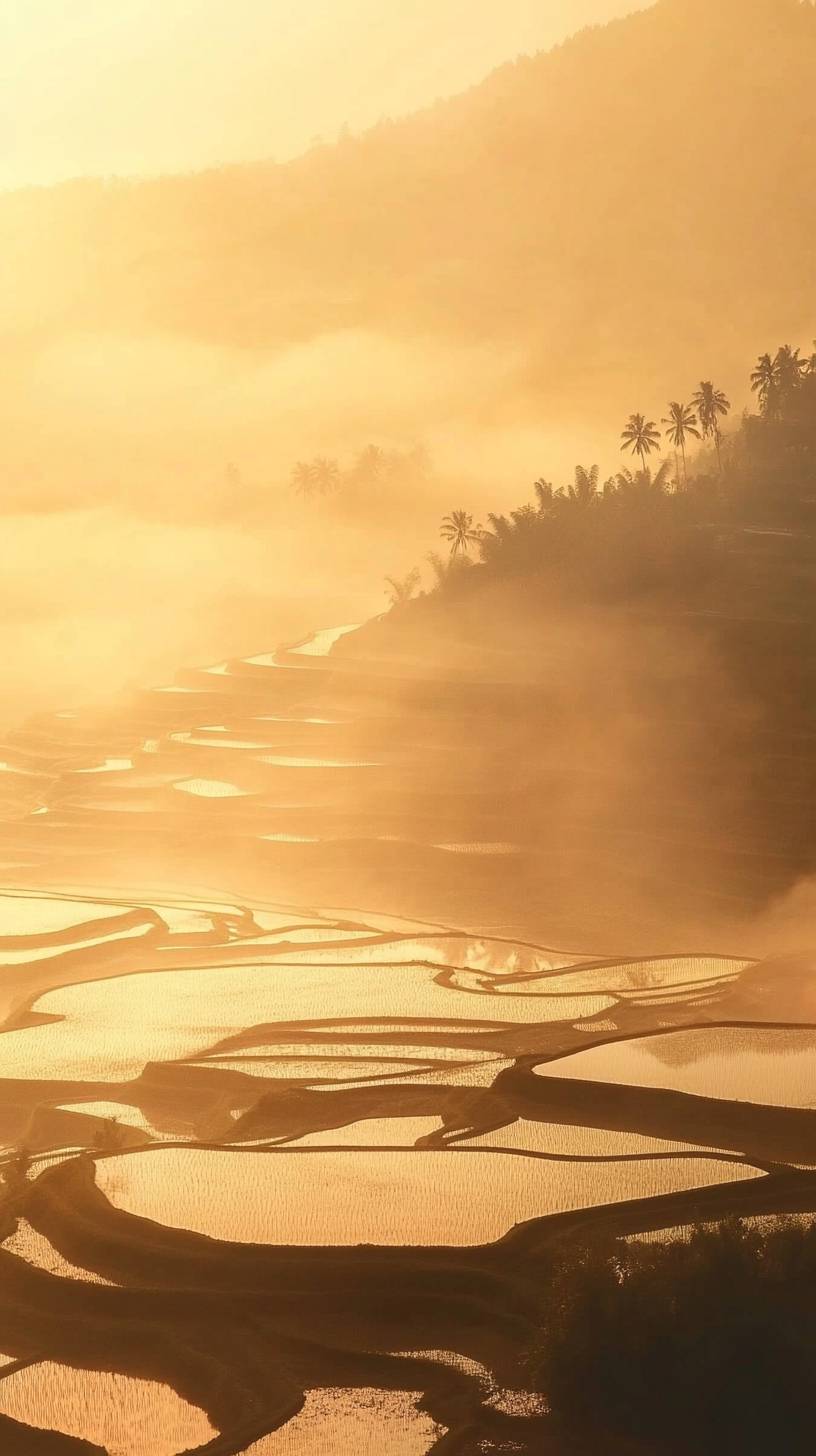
(706, 1346)
(665, 529)
(662, 624)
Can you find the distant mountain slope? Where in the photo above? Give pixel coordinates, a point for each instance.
(645, 192)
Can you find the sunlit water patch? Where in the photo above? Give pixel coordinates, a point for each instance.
(321, 643)
(27, 1243)
(523, 1404)
(740, 1064)
(364, 1422)
(114, 1115)
(316, 1197)
(107, 1030)
(211, 789)
(310, 1069)
(127, 1417)
(38, 915)
(566, 1140)
(374, 1132)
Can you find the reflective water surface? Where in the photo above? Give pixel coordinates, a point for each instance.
(296, 1074)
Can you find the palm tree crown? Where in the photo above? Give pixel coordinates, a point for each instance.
(325, 475)
(710, 404)
(681, 425)
(641, 436)
(459, 530)
(789, 369)
(585, 489)
(765, 381)
(303, 478)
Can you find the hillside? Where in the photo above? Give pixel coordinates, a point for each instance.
(501, 279)
(637, 192)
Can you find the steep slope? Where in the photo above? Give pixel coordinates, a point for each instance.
(502, 279)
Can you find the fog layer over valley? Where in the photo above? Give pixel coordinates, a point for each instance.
(494, 281)
(407, 848)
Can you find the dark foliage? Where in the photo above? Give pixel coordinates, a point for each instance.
(706, 1346)
(678, 526)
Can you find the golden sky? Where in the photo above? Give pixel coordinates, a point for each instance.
(145, 86)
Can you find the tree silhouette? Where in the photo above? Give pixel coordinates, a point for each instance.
(640, 483)
(585, 490)
(789, 371)
(371, 465)
(325, 475)
(302, 481)
(545, 495)
(711, 404)
(459, 530)
(401, 591)
(681, 424)
(315, 477)
(765, 383)
(641, 436)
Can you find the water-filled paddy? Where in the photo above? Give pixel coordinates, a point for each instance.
(316, 1197)
(347, 1085)
(741, 1064)
(366, 1422)
(127, 1417)
(107, 1030)
(29, 1244)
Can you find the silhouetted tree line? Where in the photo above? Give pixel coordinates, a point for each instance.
(700, 1346)
(374, 467)
(644, 528)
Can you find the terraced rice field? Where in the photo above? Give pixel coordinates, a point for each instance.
(282, 1175)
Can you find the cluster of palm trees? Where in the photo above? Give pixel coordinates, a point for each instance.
(372, 467)
(698, 420)
(786, 387)
(318, 477)
(776, 378)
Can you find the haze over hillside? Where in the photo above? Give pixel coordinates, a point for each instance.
(499, 278)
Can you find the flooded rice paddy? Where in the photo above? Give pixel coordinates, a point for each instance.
(280, 1174)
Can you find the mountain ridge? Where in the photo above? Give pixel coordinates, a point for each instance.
(635, 199)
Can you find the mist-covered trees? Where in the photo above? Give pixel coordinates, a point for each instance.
(711, 405)
(660, 525)
(401, 589)
(372, 470)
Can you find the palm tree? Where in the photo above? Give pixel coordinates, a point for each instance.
(303, 478)
(765, 383)
(681, 424)
(325, 475)
(789, 370)
(401, 591)
(545, 495)
(440, 565)
(641, 436)
(641, 483)
(585, 490)
(371, 465)
(710, 404)
(458, 528)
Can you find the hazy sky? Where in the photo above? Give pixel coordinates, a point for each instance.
(163, 85)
